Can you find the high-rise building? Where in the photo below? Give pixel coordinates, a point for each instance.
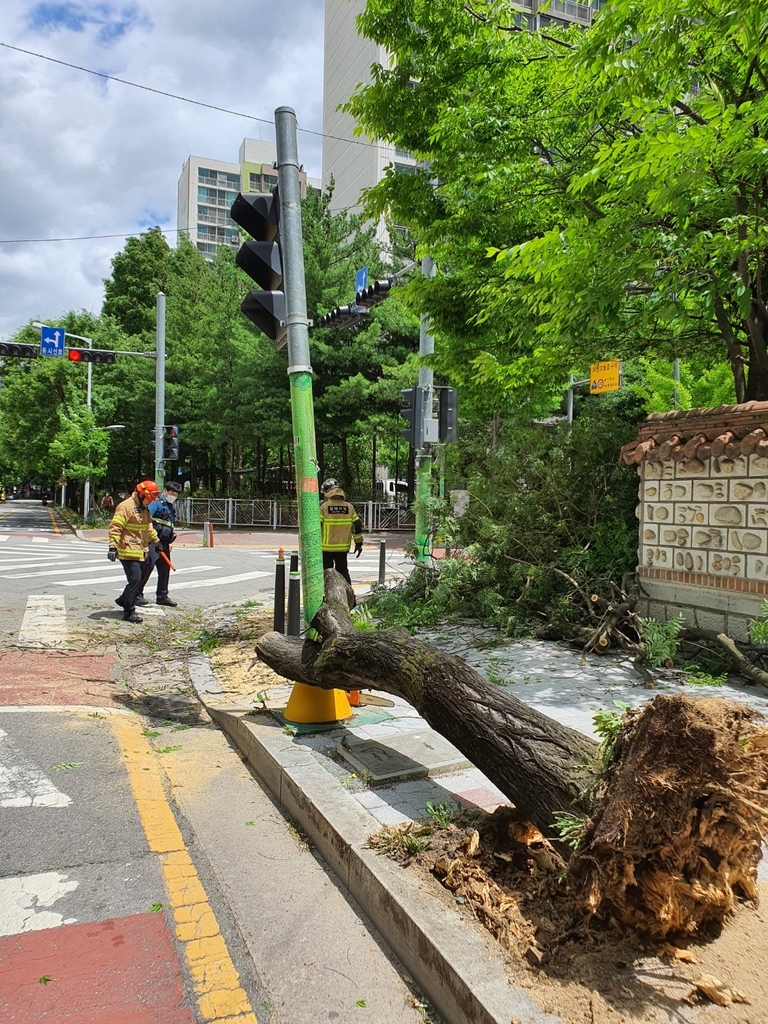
(354, 162)
(207, 189)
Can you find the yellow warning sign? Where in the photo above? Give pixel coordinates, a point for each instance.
(605, 376)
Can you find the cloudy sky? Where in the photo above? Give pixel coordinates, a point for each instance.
(84, 156)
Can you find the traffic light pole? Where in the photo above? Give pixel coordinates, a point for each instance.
(160, 389)
(306, 703)
(424, 455)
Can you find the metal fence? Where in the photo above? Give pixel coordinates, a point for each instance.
(228, 512)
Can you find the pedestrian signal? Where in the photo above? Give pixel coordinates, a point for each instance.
(413, 414)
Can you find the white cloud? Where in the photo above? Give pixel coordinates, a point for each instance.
(85, 156)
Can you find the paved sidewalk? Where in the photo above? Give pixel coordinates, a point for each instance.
(317, 777)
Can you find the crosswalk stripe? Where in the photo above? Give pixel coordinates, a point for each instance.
(52, 572)
(121, 579)
(34, 564)
(44, 623)
(189, 584)
(5, 536)
(41, 540)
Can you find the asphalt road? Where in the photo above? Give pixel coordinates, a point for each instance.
(49, 578)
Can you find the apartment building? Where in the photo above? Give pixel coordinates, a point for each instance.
(207, 189)
(354, 162)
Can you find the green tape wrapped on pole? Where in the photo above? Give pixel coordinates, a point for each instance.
(306, 703)
(422, 539)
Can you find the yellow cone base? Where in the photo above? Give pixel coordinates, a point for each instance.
(310, 705)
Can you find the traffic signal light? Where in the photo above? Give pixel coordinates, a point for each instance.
(170, 443)
(413, 414)
(91, 355)
(448, 414)
(18, 351)
(374, 293)
(259, 215)
(343, 316)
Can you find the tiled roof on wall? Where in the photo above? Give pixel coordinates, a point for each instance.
(727, 431)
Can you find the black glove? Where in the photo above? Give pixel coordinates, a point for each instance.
(358, 549)
(112, 554)
(173, 538)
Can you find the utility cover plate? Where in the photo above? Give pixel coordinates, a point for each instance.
(409, 755)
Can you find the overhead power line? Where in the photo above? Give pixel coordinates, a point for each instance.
(176, 96)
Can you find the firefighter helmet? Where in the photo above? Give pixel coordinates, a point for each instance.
(329, 485)
(148, 489)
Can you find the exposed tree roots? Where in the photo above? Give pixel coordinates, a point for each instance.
(674, 828)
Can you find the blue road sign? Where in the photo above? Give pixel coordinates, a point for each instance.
(361, 280)
(52, 341)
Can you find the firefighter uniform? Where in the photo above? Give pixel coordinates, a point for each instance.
(339, 524)
(130, 534)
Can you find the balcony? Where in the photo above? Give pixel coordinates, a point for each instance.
(572, 11)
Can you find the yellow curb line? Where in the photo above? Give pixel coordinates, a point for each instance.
(220, 997)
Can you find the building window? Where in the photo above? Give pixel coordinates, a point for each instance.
(405, 153)
(405, 168)
(206, 176)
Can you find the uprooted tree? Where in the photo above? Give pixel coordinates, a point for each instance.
(675, 822)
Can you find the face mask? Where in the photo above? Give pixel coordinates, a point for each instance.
(171, 498)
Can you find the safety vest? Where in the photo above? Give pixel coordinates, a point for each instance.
(339, 524)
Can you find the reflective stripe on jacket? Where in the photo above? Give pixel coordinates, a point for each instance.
(131, 530)
(339, 524)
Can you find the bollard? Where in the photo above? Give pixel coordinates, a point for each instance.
(294, 604)
(205, 534)
(382, 561)
(278, 621)
(294, 561)
(210, 535)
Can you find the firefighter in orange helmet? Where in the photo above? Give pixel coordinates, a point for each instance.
(130, 534)
(339, 524)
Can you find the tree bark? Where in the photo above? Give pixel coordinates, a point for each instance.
(674, 817)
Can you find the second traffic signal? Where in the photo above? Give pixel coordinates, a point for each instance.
(18, 351)
(170, 443)
(259, 215)
(91, 355)
(413, 414)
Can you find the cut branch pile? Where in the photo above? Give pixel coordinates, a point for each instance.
(674, 831)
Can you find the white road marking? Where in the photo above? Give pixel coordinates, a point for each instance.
(5, 536)
(41, 540)
(112, 579)
(52, 572)
(44, 623)
(21, 898)
(32, 563)
(22, 784)
(189, 584)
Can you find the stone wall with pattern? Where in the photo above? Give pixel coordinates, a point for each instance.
(704, 516)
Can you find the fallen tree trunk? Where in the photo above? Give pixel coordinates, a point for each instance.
(674, 828)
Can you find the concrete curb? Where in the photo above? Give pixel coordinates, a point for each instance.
(456, 967)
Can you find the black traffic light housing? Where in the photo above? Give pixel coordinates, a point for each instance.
(343, 316)
(448, 414)
(18, 351)
(413, 414)
(374, 293)
(170, 443)
(259, 215)
(91, 355)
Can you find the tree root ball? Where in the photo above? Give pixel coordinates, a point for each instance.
(675, 836)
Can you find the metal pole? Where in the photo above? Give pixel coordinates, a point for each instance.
(676, 375)
(294, 566)
(278, 619)
(160, 389)
(424, 456)
(89, 393)
(570, 399)
(382, 562)
(306, 704)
